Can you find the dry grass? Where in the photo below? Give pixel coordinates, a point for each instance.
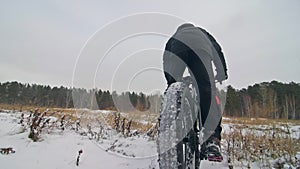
(261, 140)
(87, 116)
(32, 108)
(135, 125)
(258, 121)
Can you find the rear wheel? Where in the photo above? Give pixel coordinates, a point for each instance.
(178, 139)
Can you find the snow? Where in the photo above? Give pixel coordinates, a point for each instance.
(59, 149)
(214, 165)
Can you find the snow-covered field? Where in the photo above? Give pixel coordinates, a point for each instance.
(59, 149)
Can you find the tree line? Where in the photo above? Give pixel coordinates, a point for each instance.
(267, 100)
(15, 93)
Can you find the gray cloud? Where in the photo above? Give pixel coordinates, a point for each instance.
(40, 41)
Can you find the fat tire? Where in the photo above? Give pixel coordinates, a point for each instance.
(173, 151)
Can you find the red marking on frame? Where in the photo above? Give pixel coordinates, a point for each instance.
(218, 100)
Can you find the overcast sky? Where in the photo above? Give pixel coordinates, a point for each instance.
(42, 41)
